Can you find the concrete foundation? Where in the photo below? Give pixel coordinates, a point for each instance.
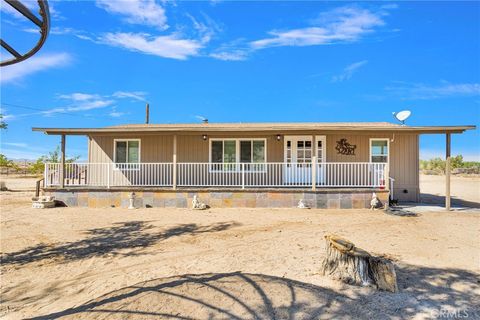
(218, 198)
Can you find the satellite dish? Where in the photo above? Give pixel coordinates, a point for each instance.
(402, 116)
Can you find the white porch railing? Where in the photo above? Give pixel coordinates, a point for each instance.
(241, 175)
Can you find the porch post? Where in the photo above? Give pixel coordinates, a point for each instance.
(314, 163)
(174, 180)
(447, 171)
(62, 162)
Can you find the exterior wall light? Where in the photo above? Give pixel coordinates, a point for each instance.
(204, 137)
(279, 137)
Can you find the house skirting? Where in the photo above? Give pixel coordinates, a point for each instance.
(215, 198)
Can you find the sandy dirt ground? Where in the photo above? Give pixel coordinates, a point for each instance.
(228, 263)
(465, 191)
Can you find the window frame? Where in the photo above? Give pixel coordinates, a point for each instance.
(370, 149)
(128, 166)
(237, 162)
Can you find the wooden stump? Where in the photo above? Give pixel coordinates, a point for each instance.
(353, 265)
(383, 274)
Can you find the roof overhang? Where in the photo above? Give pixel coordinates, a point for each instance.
(272, 128)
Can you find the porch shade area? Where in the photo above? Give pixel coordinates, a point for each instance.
(236, 175)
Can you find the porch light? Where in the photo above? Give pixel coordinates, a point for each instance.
(279, 137)
(204, 137)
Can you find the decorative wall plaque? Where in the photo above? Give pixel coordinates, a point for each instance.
(345, 148)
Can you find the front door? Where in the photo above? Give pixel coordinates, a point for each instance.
(298, 159)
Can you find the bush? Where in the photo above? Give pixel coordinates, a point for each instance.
(437, 165)
(53, 157)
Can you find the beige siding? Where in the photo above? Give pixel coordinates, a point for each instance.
(404, 167)
(154, 148)
(404, 152)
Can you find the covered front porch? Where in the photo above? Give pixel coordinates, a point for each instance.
(218, 175)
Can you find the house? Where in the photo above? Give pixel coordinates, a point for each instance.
(327, 165)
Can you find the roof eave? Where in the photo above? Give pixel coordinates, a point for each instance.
(88, 131)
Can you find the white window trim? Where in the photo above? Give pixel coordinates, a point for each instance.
(115, 153)
(237, 153)
(324, 148)
(370, 148)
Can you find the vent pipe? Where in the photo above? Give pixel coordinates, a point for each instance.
(147, 114)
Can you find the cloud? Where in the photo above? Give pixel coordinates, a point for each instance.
(54, 13)
(419, 91)
(116, 114)
(16, 144)
(79, 96)
(169, 46)
(84, 106)
(135, 95)
(64, 31)
(234, 55)
(80, 102)
(8, 9)
(7, 117)
(344, 24)
(145, 12)
(17, 72)
(206, 29)
(235, 50)
(349, 70)
(389, 6)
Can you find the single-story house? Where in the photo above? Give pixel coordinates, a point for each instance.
(326, 165)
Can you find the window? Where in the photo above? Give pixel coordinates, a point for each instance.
(229, 151)
(237, 151)
(217, 151)
(127, 152)
(378, 150)
(258, 151)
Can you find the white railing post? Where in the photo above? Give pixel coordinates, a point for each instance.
(386, 177)
(45, 171)
(314, 173)
(174, 180)
(108, 175)
(242, 169)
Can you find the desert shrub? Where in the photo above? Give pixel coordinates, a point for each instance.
(52, 157)
(437, 165)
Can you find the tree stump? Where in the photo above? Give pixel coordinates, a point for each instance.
(383, 273)
(353, 265)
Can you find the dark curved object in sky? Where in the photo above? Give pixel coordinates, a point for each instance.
(43, 24)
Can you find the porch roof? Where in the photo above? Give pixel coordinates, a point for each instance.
(249, 127)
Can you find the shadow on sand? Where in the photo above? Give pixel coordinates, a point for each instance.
(109, 241)
(424, 292)
(427, 198)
